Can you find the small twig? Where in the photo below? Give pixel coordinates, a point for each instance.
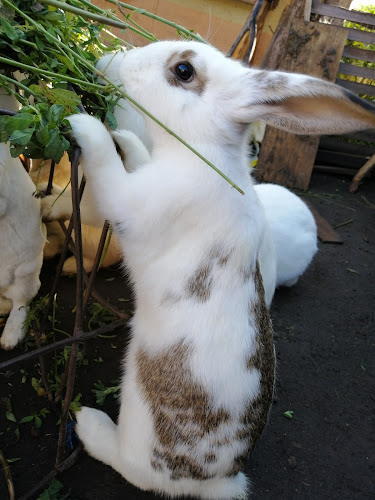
(53, 473)
(372, 205)
(250, 26)
(96, 17)
(343, 223)
(143, 12)
(8, 476)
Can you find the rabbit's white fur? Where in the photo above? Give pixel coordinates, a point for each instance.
(293, 229)
(198, 374)
(21, 245)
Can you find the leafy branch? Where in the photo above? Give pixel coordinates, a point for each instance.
(55, 35)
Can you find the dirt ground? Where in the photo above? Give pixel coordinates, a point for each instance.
(325, 344)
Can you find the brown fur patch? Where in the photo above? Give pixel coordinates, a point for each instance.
(181, 408)
(199, 81)
(246, 273)
(255, 417)
(199, 285)
(170, 298)
(210, 458)
(220, 254)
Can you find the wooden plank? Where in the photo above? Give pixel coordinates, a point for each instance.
(330, 169)
(340, 13)
(337, 158)
(326, 233)
(268, 22)
(273, 56)
(365, 136)
(367, 167)
(357, 88)
(361, 54)
(338, 3)
(332, 143)
(307, 11)
(353, 70)
(361, 36)
(314, 49)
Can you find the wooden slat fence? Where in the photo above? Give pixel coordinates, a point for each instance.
(356, 73)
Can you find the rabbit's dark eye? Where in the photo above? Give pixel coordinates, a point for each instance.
(184, 71)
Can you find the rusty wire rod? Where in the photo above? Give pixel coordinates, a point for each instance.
(95, 266)
(64, 342)
(60, 265)
(50, 178)
(250, 26)
(89, 281)
(90, 291)
(54, 472)
(51, 298)
(79, 313)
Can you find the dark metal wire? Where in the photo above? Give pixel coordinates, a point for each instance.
(250, 26)
(78, 334)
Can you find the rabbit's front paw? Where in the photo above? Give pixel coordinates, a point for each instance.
(87, 131)
(135, 152)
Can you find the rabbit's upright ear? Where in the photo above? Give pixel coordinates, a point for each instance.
(301, 104)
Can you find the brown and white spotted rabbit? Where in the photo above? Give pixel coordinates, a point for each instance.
(199, 371)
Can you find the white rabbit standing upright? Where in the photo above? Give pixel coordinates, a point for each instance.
(199, 370)
(21, 245)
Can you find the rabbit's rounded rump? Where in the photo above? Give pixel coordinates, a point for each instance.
(293, 230)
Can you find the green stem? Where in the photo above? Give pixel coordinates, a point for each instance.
(94, 17)
(51, 74)
(128, 45)
(60, 45)
(147, 34)
(173, 134)
(27, 42)
(18, 84)
(196, 36)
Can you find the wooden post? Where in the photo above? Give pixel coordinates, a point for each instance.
(300, 47)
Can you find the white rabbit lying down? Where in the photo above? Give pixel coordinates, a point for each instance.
(293, 230)
(199, 370)
(21, 246)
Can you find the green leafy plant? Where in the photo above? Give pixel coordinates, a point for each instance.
(54, 492)
(101, 391)
(100, 316)
(35, 417)
(288, 414)
(55, 50)
(56, 45)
